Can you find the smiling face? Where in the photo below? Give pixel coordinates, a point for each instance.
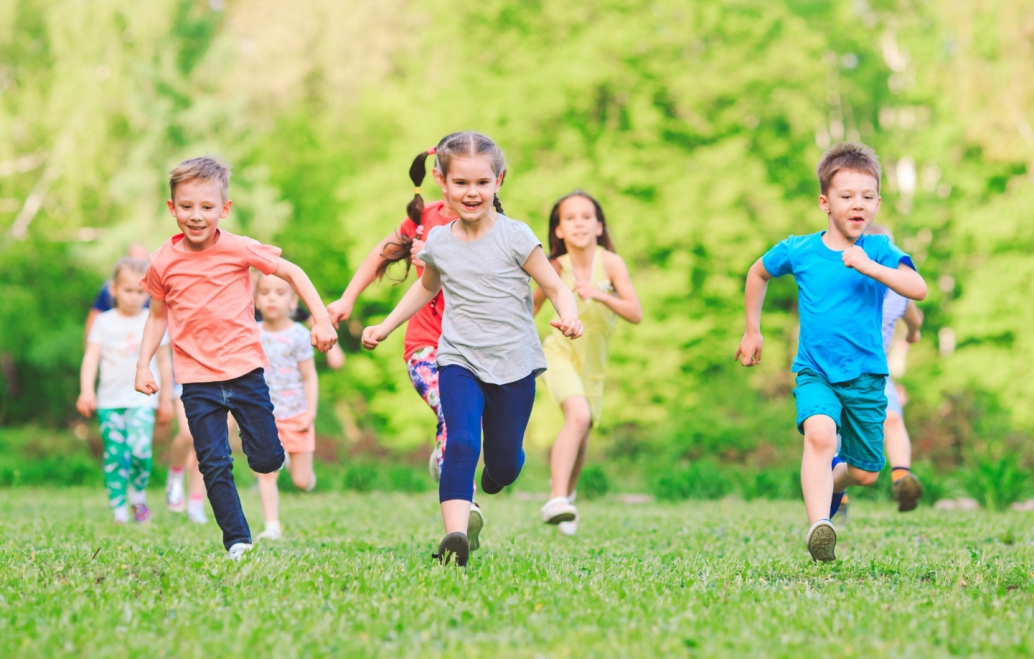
(469, 187)
(129, 296)
(578, 226)
(198, 205)
(275, 298)
(851, 202)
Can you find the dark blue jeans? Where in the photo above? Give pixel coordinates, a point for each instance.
(206, 405)
(470, 405)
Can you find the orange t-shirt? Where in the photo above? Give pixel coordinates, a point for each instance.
(211, 308)
(425, 328)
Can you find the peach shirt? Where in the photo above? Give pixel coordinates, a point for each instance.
(210, 305)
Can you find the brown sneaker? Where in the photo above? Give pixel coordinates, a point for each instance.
(822, 541)
(907, 490)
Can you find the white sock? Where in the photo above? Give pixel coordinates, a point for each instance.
(273, 526)
(312, 483)
(175, 475)
(121, 514)
(137, 498)
(197, 504)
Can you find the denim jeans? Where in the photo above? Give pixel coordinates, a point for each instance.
(206, 405)
(470, 406)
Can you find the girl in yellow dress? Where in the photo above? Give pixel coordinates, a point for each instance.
(583, 255)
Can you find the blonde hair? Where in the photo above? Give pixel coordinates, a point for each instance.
(126, 264)
(847, 155)
(200, 169)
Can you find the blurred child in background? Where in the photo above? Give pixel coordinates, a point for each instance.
(126, 417)
(583, 255)
(293, 388)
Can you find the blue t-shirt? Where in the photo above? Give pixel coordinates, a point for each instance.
(841, 310)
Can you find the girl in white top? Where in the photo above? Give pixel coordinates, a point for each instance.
(126, 416)
(489, 353)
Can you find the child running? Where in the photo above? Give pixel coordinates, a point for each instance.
(293, 388)
(425, 328)
(581, 251)
(842, 275)
(489, 353)
(200, 288)
(126, 417)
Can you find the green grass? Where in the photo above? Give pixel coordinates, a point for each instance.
(353, 577)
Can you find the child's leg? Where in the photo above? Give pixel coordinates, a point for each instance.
(423, 373)
(270, 496)
(251, 407)
(568, 450)
(182, 444)
(507, 410)
(820, 443)
(463, 404)
(139, 437)
(116, 456)
(206, 414)
(579, 463)
(896, 442)
(302, 473)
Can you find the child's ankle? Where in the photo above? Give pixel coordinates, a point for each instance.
(272, 526)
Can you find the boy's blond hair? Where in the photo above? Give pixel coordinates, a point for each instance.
(200, 169)
(847, 155)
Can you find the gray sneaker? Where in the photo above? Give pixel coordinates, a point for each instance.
(822, 541)
(237, 550)
(475, 523)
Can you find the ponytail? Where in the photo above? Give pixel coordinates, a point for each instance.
(417, 172)
(401, 250)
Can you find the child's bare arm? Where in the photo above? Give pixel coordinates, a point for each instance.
(165, 409)
(323, 334)
(154, 330)
(903, 280)
(538, 296)
(365, 275)
(87, 402)
(749, 351)
(626, 302)
(913, 320)
(559, 294)
(418, 295)
(311, 387)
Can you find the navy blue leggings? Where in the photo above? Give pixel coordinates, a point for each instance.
(469, 405)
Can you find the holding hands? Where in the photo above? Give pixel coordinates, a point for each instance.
(323, 336)
(570, 326)
(373, 335)
(339, 310)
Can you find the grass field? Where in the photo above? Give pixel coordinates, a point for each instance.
(353, 577)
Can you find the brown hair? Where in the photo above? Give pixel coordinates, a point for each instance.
(847, 155)
(200, 169)
(453, 145)
(126, 264)
(557, 247)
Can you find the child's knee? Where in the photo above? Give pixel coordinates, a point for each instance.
(821, 438)
(302, 481)
(864, 478)
(267, 463)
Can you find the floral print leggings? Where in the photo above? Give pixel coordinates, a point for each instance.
(127, 435)
(423, 372)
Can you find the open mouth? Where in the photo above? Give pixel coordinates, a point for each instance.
(195, 231)
(472, 205)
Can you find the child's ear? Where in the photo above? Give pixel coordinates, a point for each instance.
(438, 178)
(226, 209)
(599, 229)
(824, 204)
(172, 207)
(559, 232)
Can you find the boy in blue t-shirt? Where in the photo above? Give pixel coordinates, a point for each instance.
(842, 275)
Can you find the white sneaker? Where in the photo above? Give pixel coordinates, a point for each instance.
(434, 463)
(197, 515)
(174, 498)
(237, 550)
(271, 532)
(558, 509)
(568, 528)
(121, 514)
(475, 522)
(822, 541)
(312, 483)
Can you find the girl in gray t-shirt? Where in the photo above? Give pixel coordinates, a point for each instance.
(489, 353)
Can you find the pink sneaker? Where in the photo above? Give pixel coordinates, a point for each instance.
(141, 513)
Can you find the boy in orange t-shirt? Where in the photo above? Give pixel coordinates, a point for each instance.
(200, 288)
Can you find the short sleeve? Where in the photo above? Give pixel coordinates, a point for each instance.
(103, 301)
(408, 228)
(777, 260)
(891, 255)
(264, 258)
(95, 330)
(427, 256)
(152, 284)
(522, 242)
(302, 348)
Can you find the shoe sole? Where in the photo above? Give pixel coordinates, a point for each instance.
(475, 523)
(822, 544)
(907, 494)
(455, 545)
(561, 517)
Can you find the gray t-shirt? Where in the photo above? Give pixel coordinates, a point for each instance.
(488, 326)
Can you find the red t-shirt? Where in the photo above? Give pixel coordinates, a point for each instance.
(425, 328)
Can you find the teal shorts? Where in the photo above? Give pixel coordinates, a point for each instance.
(859, 408)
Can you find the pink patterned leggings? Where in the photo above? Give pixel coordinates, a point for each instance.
(423, 372)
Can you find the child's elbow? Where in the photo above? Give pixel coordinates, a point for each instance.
(920, 291)
(636, 317)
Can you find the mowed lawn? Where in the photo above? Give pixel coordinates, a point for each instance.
(353, 577)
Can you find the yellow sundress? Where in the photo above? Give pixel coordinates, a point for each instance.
(578, 367)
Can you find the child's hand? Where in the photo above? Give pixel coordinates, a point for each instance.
(856, 258)
(87, 403)
(587, 291)
(165, 411)
(749, 352)
(323, 336)
(570, 326)
(912, 336)
(307, 422)
(145, 383)
(415, 249)
(372, 336)
(338, 310)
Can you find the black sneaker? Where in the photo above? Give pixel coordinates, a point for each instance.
(454, 544)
